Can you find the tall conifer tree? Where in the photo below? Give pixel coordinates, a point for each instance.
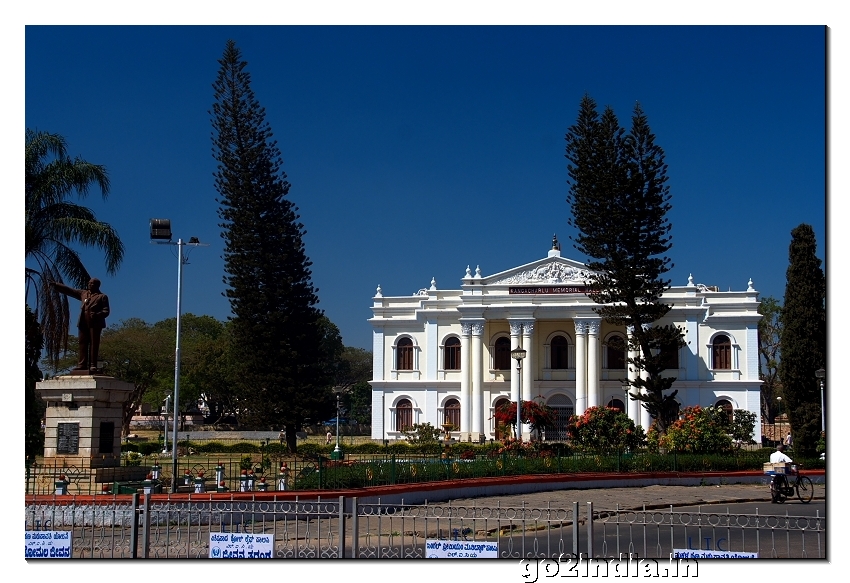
(803, 339)
(276, 324)
(620, 199)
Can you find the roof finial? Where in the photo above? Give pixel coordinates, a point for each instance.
(555, 244)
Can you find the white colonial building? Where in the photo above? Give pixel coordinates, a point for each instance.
(444, 355)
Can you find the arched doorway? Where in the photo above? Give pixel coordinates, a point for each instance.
(500, 432)
(617, 404)
(564, 409)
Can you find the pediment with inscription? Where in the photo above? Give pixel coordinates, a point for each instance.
(552, 271)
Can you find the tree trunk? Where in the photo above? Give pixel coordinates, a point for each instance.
(291, 439)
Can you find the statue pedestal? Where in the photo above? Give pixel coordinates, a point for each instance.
(84, 420)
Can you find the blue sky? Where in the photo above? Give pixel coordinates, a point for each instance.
(415, 151)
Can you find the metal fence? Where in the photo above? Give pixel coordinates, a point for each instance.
(273, 472)
(139, 527)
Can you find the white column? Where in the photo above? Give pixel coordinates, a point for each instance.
(477, 379)
(634, 407)
(528, 368)
(593, 363)
(516, 331)
(581, 366)
(645, 418)
(465, 368)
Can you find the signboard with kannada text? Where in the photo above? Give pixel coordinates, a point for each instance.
(240, 545)
(711, 554)
(47, 544)
(461, 549)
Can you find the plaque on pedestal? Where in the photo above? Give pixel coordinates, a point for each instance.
(83, 419)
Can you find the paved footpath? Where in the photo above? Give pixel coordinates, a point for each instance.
(635, 497)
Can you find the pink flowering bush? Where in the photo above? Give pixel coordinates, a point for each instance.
(601, 428)
(538, 415)
(698, 430)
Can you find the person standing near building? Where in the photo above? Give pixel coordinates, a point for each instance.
(328, 437)
(788, 440)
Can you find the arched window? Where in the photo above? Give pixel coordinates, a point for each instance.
(564, 409)
(404, 354)
(721, 353)
(451, 413)
(501, 431)
(559, 351)
(727, 407)
(451, 354)
(670, 355)
(617, 404)
(403, 415)
(502, 356)
(615, 352)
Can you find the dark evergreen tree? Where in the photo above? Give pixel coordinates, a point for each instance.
(33, 406)
(803, 339)
(620, 199)
(276, 328)
(770, 329)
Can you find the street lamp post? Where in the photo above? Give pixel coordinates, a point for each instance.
(160, 232)
(820, 374)
(626, 388)
(165, 425)
(779, 416)
(337, 453)
(518, 354)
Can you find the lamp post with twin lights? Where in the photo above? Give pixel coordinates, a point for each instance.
(518, 354)
(337, 453)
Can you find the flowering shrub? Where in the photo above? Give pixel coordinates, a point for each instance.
(698, 430)
(604, 428)
(538, 415)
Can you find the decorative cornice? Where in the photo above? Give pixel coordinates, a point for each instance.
(552, 272)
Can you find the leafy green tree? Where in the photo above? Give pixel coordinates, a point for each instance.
(141, 354)
(54, 224)
(280, 343)
(604, 428)
(620, 199)
(803, 339)
(770, 330)
(743, 426)
(355, 374)
(203, 358)
(34, 406)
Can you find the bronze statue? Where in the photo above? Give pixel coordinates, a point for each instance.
(94, 309)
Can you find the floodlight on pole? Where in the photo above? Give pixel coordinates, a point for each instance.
(518, 354)
(160, 232)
